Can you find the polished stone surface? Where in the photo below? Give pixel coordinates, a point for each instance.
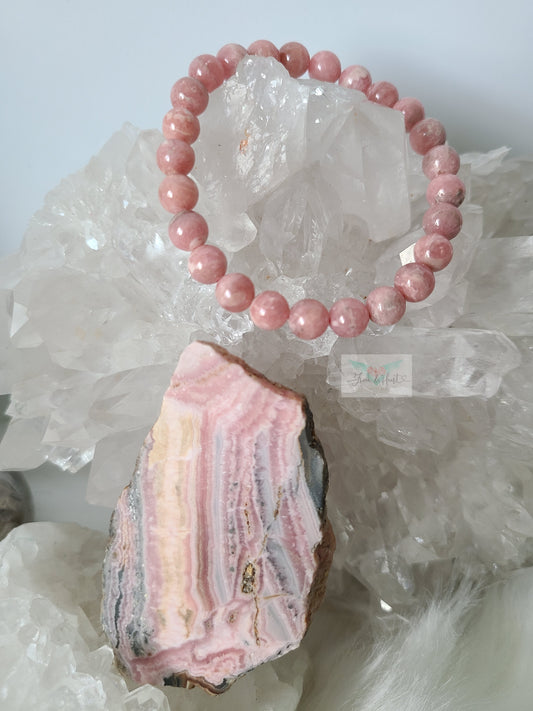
(220, 546)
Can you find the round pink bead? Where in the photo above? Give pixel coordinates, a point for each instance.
(208, 70)
(190, 94)
(269, 310)
(427, 134)
(385, 305)
(235, 292)
(264, 48)
(175, 157)
(440, 160)
(181, 125)
(230, 55)
(444, 219)
(188, 230)
(446, 188)
(356, 77)
(415, 281)
(325, 66)
(412, 111)
(384, 93)
(177, 193)
(435, 251)
(207, 264)
(348, 317)
(295, 58)
(308, 319)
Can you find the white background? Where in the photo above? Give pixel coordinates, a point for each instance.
(72, 71)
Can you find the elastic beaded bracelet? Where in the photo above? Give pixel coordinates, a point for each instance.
(308, 318)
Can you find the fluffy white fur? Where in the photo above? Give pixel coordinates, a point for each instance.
(469, 652)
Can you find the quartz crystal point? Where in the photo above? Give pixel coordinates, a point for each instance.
(220, 546)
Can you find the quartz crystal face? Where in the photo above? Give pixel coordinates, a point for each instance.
(220, 546)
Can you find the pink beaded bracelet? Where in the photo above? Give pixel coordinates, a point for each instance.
(269, 310)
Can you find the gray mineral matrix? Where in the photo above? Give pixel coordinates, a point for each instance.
(16, 503)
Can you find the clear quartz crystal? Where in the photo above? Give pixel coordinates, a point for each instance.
(146, 698)
(503, 264)
(445, 363)
(314, 192)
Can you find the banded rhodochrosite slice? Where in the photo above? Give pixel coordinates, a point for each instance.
(220, 546)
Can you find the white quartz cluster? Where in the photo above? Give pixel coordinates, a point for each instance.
(314, 192)
(53, 655)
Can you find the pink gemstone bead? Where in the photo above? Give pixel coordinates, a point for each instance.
(384, 93)
(264, 48)
(181, 125)
(446, 188)
(414, 281)
(427, 134)
(188, 230)
(325, 66)
(295, 58)
(208, 70)
(308, 319)
(190, 94)
(435, 251)
(440, 160)
(385, 305)
(443, 219)
(412, 111)
(230, 55)
(356, 77)
(348, 317)
(269, 310)
(207, 264)
(175, 157)
(235, 292)
(177, 193)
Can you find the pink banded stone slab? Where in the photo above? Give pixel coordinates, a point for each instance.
(220, 546)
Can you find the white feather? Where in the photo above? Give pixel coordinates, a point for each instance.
(468, 651)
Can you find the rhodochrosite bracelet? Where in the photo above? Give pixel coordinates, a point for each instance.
(269, 310)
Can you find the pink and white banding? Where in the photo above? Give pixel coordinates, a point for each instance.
(220, 546)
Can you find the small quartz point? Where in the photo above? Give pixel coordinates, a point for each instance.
(220, 546)
(16, 503)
